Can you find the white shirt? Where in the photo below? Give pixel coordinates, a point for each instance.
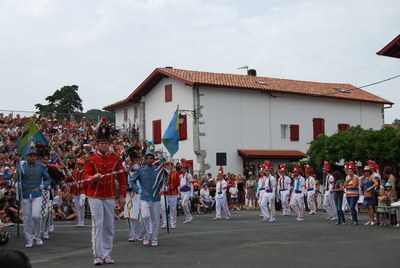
(284, 183)
(221, 188)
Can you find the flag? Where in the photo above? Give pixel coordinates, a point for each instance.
(30, 132)
(170, 138)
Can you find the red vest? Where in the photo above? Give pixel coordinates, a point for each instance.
(76, 188)
(105, 188)
(173, 183)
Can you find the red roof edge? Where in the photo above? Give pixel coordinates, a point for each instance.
(392, 49)
(272, 154)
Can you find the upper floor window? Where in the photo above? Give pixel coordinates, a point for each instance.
(168, 93)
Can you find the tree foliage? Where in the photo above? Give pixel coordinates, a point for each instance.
(96, 114)
(357, 144)
(64, 100)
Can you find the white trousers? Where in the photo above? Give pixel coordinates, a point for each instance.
(136, 229)
(185, 199)
(298, 204)
(311, 201)
(102, 226)
(31, 208)
(221, 204)
(285, 202)
(268, 200)
(79, 203)
(329, 204)
(151, 219)
(171, 203)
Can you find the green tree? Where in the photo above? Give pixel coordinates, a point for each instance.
(357, 144)
(97, 114)
(64, 100)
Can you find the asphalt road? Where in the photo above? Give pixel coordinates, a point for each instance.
(243, 241)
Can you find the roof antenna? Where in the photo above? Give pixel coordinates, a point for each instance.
(245, 67)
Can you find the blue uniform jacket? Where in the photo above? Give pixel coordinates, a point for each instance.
(31, 179)
(147, 178)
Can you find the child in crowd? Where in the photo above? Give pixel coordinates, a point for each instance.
(382, 202)
(234, 196)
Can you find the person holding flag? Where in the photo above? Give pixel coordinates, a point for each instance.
(34, 179)
(152, 181)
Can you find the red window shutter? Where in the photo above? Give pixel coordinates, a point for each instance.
(183, 128)
(294, 132)
(318, 126)
(343, 127)
(157, 131)
(125, 114)
(168, 93)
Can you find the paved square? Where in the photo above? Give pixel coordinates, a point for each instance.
(243, 241)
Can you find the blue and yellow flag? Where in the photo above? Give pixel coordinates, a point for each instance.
(171, 135)
(31, 132)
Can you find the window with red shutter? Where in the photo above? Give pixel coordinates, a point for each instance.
(294, 132)
(343, 127)
(319, 127)
(183, 128)
(157, 131)
(168, 93)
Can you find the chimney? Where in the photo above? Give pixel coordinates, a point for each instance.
(252, 72)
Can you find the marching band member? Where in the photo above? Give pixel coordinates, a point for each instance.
(34, 179)
(298, 193)
(310, 186)
(268, 198)
(186, 191)
(103, 169)
(220, 197)
(284, 188)
(171, 195)
(329, 201)
(132, 204)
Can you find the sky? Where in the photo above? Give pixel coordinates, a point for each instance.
(108, 47)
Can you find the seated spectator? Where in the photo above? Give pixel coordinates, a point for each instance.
(3, 212)
(12, 211)
(205, 198)
(66, 211)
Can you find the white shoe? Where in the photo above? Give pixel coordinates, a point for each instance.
(271, 220)
(39, 242)
(300, 219)
(29, 244)
(163, 226)
(333, 219)
(372, 223)
(367, 223)
(46, 235)
(216, 218)
(173, 226)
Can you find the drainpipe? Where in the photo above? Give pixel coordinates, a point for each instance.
(200, 154)
(142, 121)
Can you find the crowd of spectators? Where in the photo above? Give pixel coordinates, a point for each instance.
(72, 139)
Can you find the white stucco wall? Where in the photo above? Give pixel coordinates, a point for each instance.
(243, 119)
(157, 108)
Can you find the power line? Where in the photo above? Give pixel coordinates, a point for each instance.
(381, 81)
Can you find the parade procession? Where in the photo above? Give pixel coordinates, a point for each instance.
(119, 179)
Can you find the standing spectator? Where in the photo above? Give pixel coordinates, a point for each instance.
(233, 191)
(338, 196)
(250, 192)
(352, 191)
(368, 185)
(241, 191)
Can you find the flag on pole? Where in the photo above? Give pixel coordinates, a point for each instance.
(170, 138)
(31, 132)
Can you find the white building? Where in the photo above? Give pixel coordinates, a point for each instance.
(244, 119)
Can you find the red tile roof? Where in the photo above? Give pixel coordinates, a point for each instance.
(392, 49)
(272, 154)
(248, 82)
